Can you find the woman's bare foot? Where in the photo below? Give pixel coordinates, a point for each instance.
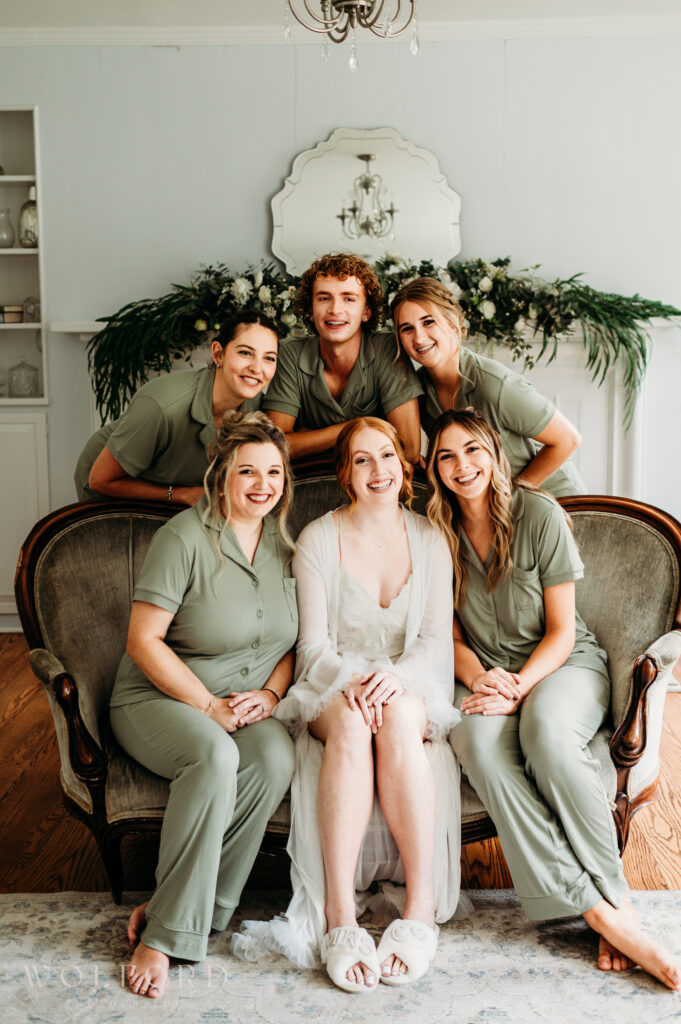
(148, 972)
(620, 927)
(610, 959)
(136, 924)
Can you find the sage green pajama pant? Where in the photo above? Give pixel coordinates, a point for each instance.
(541, 786)
(223, 789)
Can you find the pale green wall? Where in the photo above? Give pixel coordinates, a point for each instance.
(565, 152)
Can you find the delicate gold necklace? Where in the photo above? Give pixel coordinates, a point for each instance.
(390, 536)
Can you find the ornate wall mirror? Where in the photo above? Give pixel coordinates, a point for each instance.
(367, 191)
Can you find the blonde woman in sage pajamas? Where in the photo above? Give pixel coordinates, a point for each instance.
(208, 659)
(533, 688)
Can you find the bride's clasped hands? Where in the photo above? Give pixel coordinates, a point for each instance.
(369, 693)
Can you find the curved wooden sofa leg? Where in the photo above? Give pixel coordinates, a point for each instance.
(627, 746)
(110, 849)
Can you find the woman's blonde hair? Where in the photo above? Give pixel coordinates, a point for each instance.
(343, 455)
(239, 428)
(437, 299)
(444, 511)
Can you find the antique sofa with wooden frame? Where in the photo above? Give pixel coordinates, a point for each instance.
(74, 585)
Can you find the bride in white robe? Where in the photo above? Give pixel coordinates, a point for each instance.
(374, 589)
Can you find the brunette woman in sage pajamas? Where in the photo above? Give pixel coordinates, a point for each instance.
(208, 658)
(535, 691)
(156, 451)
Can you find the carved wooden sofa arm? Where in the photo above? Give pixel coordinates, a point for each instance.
(83, 762)
(635, 744)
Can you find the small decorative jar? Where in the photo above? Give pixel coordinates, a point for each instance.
(28, 222)
(31, 310)
(23, 380)
(6, 230)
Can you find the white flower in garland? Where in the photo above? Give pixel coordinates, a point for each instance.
(488, 309)
(456, 291)
(257, 279)
(519, 325)
(270, 311)
(290, 319)
(485, 284)
(264, 293)
(241, 290)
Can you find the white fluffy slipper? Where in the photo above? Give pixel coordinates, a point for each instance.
(414, 943)
(341, 948)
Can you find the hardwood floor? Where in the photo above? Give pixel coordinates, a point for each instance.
(46, 850)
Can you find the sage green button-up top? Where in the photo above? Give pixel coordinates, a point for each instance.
(162, 435)
(232, 625)
(511, 405)
(377, 384)
(505, 625)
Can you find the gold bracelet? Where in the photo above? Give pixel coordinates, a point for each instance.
(169, 495)
(270, 690)
(211, 706)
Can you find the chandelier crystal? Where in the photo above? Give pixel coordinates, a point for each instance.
(367, 215)
(336, 19)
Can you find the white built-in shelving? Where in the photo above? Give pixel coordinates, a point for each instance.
(21, 269)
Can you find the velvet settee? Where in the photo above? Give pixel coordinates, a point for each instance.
(74, 585)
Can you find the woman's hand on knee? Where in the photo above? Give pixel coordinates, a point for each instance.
(381, 687)
(496, 680)
(224, 715)
(252, 706)
(489, 704)
(356, 697)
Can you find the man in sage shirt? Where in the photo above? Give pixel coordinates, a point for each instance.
(346, 370)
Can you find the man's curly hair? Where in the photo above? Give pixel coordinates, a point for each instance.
(343, 265)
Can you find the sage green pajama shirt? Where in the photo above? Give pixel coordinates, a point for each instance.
(377, 384)
(231, 629)
(509, 403)
(163, 434)
(532, 770)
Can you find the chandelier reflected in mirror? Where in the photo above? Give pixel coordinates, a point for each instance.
(367, 213)
(335, 19)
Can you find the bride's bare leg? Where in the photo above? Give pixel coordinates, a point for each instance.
(405, 790)
(621, 929)
(344, 801)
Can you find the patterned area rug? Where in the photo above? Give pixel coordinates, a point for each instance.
(61, 958)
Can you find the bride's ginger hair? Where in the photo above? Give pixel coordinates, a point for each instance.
(343, 455)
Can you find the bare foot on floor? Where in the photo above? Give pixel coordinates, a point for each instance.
(610, 959)
(148, 972)
(620, 927)
(136, 924)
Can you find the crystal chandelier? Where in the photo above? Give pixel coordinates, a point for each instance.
(366, 214)
(335, 19)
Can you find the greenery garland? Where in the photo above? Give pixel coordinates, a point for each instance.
(148, 335)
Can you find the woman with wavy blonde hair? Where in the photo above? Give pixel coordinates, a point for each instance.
(533, 687)
(430, 327)
(208, 658)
